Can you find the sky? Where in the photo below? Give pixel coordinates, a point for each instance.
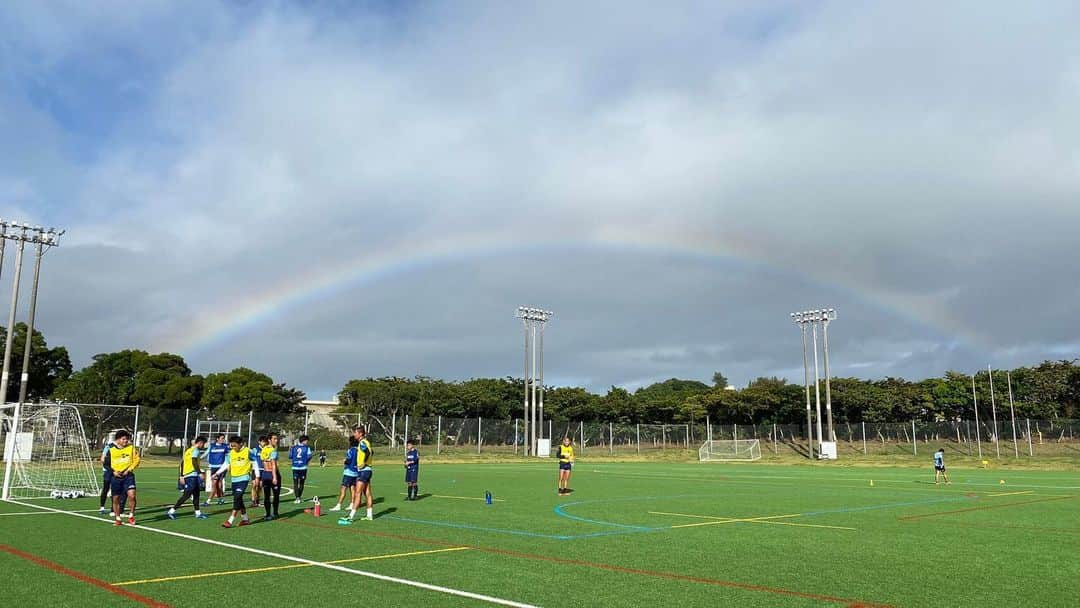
(331, 190)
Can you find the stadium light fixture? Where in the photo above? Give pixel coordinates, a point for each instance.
(532, 318)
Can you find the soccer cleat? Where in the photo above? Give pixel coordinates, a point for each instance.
(335, 508)
(101, 511)
(368, 518)
(221, 501)
(171, 516)
(131, 520)
(244, 522)
(207, 503)
(268, 518)
(117, 523)
(297, 501)
(226, 524)
(202, 516)
(344, 521)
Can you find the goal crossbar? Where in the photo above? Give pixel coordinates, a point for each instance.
(721, 450)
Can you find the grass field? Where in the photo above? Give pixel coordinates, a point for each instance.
(631, 534)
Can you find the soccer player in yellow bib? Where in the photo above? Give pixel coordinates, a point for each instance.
(241, 468)
(565, 452)
(190, 479)
(123, 459)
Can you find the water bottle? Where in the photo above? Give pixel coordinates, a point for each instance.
(487, 497)
(318, 507)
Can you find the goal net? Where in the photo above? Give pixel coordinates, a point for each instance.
(212, 428)
(730, 449)
(46, 453)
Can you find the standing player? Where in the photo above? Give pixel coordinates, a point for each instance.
(241, 467)
(363, 477)
(939, 466)
(299, 457)
(218, 453)
(271, 477)
(412, 471)
(348, 475)
(123, 459)
(256, 484)
(566, 464)
(322, 458)
(190, 478)
(106, 476)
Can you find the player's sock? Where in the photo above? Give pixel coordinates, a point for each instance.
(369, 513)
(231, 519)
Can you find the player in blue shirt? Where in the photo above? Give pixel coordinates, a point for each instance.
(939, 466)
(217, 453)
(349, 474)
(412, 471)
(256, 482)
(299, 457)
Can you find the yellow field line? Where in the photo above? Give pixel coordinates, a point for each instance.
(1012, 493)
(460, 497)
(752, 520)
(289, 567)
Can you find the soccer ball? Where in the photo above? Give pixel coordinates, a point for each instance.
(56, 494)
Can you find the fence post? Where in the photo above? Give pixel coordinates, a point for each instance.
(393, 430)
(406, 428)
(306, 413)
(864, 437)
(1031, 452)
(251, 423)
(184, 447)
(581, 435)
(611, 438)
(479, 433)
(708, 428)
(639, 438)
(515, 436)
(438, 438)
(688, 436)
(914, 442)
(735, 431)
(135, 431)
(549, 431)
(775, 449)
(663, 437)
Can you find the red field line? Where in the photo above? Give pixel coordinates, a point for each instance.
(847, 602)
(135, 597)
(983, 508)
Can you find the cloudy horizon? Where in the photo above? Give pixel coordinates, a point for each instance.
(335, 190)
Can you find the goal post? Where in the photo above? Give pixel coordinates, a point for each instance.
(723, 450)
(46, 452)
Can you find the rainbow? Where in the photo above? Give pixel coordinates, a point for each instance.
(215, 327)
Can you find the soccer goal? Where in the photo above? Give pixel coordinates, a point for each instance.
(213, 428)
(46, 453)
(730, 449)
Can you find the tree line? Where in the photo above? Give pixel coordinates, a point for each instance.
(1050, 390)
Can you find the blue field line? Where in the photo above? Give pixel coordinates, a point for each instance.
(559, 510)
(448, 524)
(886, 506)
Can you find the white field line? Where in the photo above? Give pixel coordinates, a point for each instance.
(301, 560)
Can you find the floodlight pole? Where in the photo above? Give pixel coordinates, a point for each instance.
(817, 387)
(1012, 412)
(25, 383)
(525, 411)
(11, 317)
(975, 399)
(827, 316)
(532, 411)
(801, 321)
(993, 411)
(542, 325)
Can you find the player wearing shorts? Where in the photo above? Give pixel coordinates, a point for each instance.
(939, 466)
(190, 478)
(106, 479)
(217, 454)
(256, 483)
(299, 457)
(348, 475)
(565, 452)
(412, 471)
(363, 477)
(123, 460)
(322, 458)
(271, 477)
(241, 467)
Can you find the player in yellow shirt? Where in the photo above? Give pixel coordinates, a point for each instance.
(565, 452)
(241, 467)
(363, 479)
(123, 459)
(190, 478)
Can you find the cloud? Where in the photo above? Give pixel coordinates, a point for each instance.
(911, 165)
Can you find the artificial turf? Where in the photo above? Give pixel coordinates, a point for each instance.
(631, 534)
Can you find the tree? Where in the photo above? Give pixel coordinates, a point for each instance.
(49, 367)
(235, 393)
(719, 380)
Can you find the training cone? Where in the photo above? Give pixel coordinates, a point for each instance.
(318, 508)
(1001, 481)
(871, 483)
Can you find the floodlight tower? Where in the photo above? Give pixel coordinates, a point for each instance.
(532, 318)
(828, 315)
(801, 320)
(44, 240)
(20, 237)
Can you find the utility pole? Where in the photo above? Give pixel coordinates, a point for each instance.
(534, 319)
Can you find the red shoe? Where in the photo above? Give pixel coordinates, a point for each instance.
(117, 523)
(244, 522)
(227, 524)
(131, 521)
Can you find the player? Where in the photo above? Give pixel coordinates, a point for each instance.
(412, 471)
(106, 479)
(322, 458)
(271, 476)
(363, 477)
(299, 457)
(241, 467)
(123, 459)
(190, 478)
(217, 455)
(348, 475)
(256, 483)
(939, 466)
(566, 464)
